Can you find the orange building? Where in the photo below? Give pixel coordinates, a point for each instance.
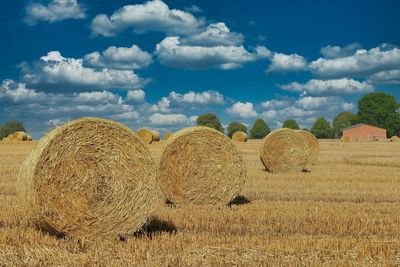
(364, 132)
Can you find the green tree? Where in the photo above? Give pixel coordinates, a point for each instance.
(210, 120)
(321, 128)
(291, 124)
(236, 126)
(11, 127)
(341, 121)
(260, 129)
(379, 109)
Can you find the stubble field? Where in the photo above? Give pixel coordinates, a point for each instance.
(346, 211)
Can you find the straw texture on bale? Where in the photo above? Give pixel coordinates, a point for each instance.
(201, 166)
(284, 150)
(239, 136)
(90, 177)
(313, 146)
(19, 136)
(148, 136)
(395, 139)
(168, 136)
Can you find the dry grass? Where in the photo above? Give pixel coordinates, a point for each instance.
(342, 213)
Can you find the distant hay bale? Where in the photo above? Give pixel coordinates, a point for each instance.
(168, 136)
(200, 165)
(90, 177)
(284, 150)
(313, 146)
(18, 136)
(29, 138)
(395, 139)
(345, 139)
(239, 136)
(148, 136)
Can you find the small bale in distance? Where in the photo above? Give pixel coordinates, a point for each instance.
(90, 177)
(313, 146)
(29, 138)
(19, 136)
(345, 139)
(395, 139)
(239, 136)
(201, 166)
(168, 136)
(284, 150)
(148, 136)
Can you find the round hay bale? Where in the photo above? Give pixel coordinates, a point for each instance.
(345, 139)
(168, 136)
(29, 138)
(284, 150)
(19, 136)
(156, 135)
(90, 177)
(395, 139)
(313, 146)
(148, 136)
(200, 165)
(239, 136)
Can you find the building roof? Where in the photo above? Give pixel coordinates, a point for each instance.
(361, 124)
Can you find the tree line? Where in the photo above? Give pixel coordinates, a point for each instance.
(376, 109)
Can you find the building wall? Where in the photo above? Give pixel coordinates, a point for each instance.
(365, 132)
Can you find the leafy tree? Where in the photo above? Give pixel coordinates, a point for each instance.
(379, 109)
(291, 124)
(341, 121)
(11, 127)
(210, 120)
(322, 129)
(260, 129)
(236, 126)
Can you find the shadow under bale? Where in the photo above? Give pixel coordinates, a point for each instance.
(156, 226)
(239, 200)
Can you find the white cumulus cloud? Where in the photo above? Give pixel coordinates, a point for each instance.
(285, 63)
(55, 10)
(169, 119)
(242, 110)
(119, 58)
(150, 16)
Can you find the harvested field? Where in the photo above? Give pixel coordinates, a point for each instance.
(346, 211)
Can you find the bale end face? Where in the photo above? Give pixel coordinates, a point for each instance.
(148, 136)
(284, 150)
(201, 166)
(90, 177)
(239, 136)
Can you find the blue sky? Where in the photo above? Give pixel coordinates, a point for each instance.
(160, 64)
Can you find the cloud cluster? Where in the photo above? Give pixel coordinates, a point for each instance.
(242, 110)
(58, 72)
(56, 10)
(152, 15)
(286, 63)
(125, 58)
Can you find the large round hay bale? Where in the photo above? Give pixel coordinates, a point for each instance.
(90, 177)
(19, 136)
(148, 136)
(284, 150)
(168, 136)
(313, 146)
(394, 139)
(200, 165)
(239, 136)
(29, 138)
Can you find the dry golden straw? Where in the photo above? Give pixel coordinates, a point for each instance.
(18, 136)
(200, 165)
(168, 136)
(148, 136)
(284, 150)
(313, 146)
(29, 138)
(394, 139)
(239, 136)
(345, 139)
(90, 177)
